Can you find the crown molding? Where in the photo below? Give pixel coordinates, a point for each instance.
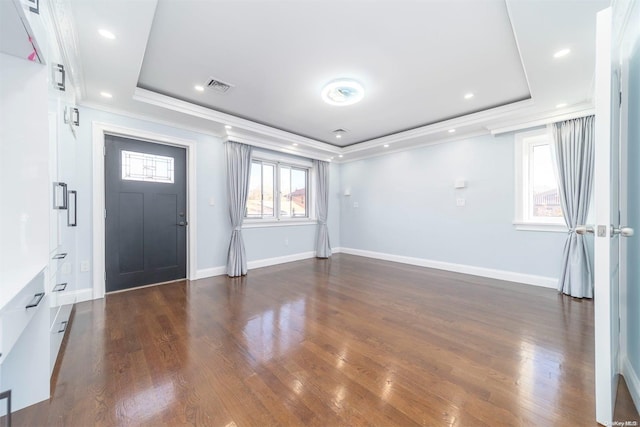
(261, 142)
(150, 119)
(386, 151)
(471, 125)
(544, 118)
(474, 119)
(170, 103)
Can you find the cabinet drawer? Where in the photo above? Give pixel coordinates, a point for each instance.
(57, 262)
(17, 314)
(58, 329)
(61, 292)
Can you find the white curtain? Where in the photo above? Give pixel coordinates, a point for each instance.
(238, 173)
(573, 148)
(323, 248)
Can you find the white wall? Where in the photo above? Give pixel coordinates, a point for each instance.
(213, 223)
(407, 207)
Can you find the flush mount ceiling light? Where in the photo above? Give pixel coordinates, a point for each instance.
(468, 95)
(199, 88)
(342, 92)
(106, 95)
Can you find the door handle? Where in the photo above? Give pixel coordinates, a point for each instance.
(584, 229)
(623, 231)
(183, 223)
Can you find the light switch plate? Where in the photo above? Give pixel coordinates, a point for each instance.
(460, 202)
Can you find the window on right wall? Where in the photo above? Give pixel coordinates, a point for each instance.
(537, 196)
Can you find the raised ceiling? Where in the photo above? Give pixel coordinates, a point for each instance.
(416, 60)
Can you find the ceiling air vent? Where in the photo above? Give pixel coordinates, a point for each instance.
(219, 85)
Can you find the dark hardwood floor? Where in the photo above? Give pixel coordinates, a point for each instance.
(347, 341)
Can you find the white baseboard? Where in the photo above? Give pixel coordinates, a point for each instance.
(209, 272)
(632, 380)
(219, 271)
(280, 260)
(529, 279)
(79, 295)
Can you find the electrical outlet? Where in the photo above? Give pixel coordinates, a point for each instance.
(356, 205)
(84, 266)
(460, 202)
(212, 201)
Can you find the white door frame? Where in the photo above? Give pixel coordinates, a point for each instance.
(100, 130)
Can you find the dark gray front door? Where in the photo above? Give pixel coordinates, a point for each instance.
(146, 213)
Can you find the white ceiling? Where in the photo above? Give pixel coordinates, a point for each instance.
(416, 60)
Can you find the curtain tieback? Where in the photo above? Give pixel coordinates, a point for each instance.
(322, 222)
(238, 228)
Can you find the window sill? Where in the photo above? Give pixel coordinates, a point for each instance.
(540, 226)
(275, 223)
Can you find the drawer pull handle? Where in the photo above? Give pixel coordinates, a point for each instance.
(35, 300)
(59, 287)
(60, 256)
(63, 326)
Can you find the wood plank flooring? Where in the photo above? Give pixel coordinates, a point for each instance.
(347, 341)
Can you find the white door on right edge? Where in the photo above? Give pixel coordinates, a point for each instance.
(608, 231)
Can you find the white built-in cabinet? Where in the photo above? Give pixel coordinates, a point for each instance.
(38, 122)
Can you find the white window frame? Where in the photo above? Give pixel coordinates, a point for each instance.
(524, 144)
(276, 221)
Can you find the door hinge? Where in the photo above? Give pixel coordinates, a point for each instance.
(104, 150)
(620, 98)
(105, 214)
(105, 276)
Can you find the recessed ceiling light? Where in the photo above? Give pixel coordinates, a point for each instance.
(106, 95)
(199, 88)
(228, 127)
(561, 53)
(468, 95)
(342, 92)
(562, 105)
(106, 34)
(340, 155)
(295, 144)
(452, 130)
(386, 145)
(338, 136)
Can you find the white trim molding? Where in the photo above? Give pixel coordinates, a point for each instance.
(99, 130)
(509, 276)
(544, 118)
(210, 272)
(259, 263)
